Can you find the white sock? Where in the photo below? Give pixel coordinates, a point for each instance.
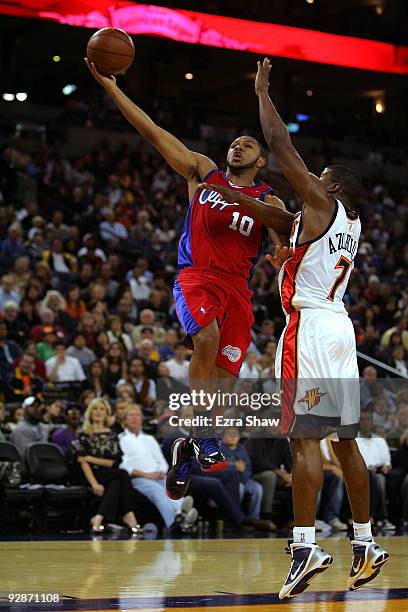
(305, 535)
(362, 531)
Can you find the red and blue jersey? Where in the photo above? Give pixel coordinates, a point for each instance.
(221, 236)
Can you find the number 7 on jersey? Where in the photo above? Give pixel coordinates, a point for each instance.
(344, 265)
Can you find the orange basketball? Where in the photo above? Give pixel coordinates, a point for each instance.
(111, 50)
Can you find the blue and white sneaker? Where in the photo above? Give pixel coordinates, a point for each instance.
(308, 560)
(208, 454)
(368, 559)
(179, 475)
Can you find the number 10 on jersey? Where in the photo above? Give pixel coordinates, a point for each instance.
(245, 225)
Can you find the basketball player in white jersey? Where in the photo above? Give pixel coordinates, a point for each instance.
(316, 358)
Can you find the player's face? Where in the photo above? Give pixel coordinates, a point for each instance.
(243, 154)
(327, 180)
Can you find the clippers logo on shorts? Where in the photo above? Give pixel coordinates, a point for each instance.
(312, 398)
(233, 353)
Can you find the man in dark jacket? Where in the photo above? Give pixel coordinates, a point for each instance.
(271, 465)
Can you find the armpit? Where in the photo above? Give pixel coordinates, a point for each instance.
(192, 174)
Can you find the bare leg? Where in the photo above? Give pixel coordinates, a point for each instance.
(202, 364)
(355, 478)
(307, 480)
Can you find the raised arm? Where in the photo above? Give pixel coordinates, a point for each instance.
(192, 166)
(268, 213)
(277, 136)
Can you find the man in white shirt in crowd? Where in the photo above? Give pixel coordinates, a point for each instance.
(148, 319)
(377, 456)
(61, 367)
(144, 461)
(178, 365)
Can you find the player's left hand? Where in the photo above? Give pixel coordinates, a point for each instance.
(230, 195)
(282, 253)
(262, 76)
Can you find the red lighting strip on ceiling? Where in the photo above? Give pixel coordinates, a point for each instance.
(215, 31)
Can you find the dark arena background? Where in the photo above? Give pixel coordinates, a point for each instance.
(90, 220)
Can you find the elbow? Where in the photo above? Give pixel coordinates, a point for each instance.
(275, 138)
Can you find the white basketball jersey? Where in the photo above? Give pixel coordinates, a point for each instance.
(317, 274)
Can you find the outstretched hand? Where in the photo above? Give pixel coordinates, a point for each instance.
(229, 195)
(106, 81)
(262, 77)
(282, 253)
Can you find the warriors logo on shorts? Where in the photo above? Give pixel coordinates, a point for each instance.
(233, 353)
(312, 398)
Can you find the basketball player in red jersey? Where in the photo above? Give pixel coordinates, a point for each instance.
(318, 345)
(218, 248)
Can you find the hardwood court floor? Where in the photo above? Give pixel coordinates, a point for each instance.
(223, 575)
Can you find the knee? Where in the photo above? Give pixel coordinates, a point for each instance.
(206, 342)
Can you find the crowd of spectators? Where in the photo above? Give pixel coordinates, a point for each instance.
(87, 262)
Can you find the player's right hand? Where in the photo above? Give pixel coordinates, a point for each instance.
(262, 77)
(106, 81)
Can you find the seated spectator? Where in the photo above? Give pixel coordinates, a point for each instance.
(56, 302)
(17, 330)
(121, 407)
(116, 334)
(167, 385)
(110, 229)
(139, 285)
(115, 366)
(126, 392)
(97, 451)
(9, 352)
(27, 313)
(168, 348)
(30, 429)
(331, 495)
(86, 398)
(148, 319)
(13, 246)
(147, 467)
(266, 334)
(22, 381)
(80, 351)
(52, 413)
(238, 457)
(21, 274)
(47, 317)
(401, 327)
(178, 365)
(75, 307)
(96, 379)
(271, 465)
(45, 348)
(15, 415)
(59, 260)
(101, 345)
(149, 355)
(398, 360)
(111, 285)
(145, 388)
(377, 457)
(61, 367)
(8, 292)
(401, 420)
(89, 327)
(249, 368)
(63, 436)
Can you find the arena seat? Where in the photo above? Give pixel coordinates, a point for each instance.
(26, 495)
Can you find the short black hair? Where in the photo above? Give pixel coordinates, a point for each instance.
(350, 181)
